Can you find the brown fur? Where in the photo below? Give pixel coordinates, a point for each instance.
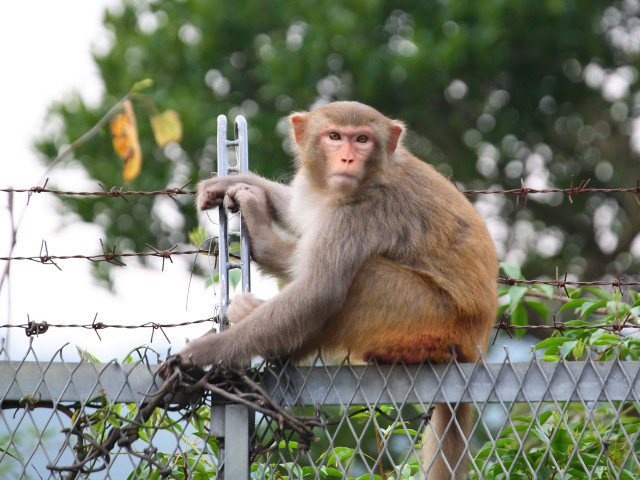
(388, 260)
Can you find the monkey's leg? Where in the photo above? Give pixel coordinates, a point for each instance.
(394, 312)
(444, 441)
(397, 313)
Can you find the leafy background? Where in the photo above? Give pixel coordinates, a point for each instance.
(494, 92)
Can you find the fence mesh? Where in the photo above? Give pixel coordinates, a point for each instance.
(537, 419)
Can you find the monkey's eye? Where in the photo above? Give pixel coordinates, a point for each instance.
(334, 136)
(362, 139)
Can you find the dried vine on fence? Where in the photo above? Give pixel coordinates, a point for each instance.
(188, 387)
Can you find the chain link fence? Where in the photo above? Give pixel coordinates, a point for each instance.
(537, 419)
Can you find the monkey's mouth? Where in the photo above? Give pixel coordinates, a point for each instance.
(344, 179)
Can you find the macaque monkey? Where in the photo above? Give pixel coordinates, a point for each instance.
(381, 257)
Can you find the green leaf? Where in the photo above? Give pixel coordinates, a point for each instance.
(198, 236)
(515, 296)
(551, 341)
(576, 303)
(589, 309)
(605, 339)
(546, 289)
(512, 271)
(568, 347)
(235, 276)
(550, 358)
(599, 292)
(539, 307)
(211, 280)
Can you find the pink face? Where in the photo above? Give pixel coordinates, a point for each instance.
(347, 149)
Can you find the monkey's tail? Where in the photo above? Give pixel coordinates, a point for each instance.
(445, 442)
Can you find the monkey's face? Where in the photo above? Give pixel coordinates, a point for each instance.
(347, 152)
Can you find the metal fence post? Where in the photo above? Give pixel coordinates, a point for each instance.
(233, 429)
(241, 145)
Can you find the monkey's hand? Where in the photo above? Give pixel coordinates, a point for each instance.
(241, 306)
(210, 193)
(187, 367)
(250, 199)
(213, 191)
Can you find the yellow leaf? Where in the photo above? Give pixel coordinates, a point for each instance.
(124, 132)
(167, 127)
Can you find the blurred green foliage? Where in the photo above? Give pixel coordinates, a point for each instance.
(493, 92)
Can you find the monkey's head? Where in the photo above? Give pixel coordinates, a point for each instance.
(344, 147)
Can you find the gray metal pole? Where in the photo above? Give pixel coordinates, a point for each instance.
(242, 153)
(223, 239)
(234, 449)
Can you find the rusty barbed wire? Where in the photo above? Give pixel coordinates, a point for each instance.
(561, 284)
(113, 192)
(523, 191)
(33, 328)
(572, 191)
(110, 256)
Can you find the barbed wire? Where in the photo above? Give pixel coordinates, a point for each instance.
(110, 256)
(34, 328)
(562, 284)
(523, 191)
(572, 191)
(113, 257)
(113, 192)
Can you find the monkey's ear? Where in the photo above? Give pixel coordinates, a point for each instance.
(395, 134)
(299, 124)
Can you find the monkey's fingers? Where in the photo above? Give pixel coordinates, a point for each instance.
(209, 199)
(189, 370)
(231, 204)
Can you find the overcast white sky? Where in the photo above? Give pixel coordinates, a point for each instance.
(45, 53)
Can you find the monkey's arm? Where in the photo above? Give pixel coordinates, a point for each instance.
(269, 249)
(326, 266)
(212, 192)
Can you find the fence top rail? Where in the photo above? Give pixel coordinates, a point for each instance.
(533, 381)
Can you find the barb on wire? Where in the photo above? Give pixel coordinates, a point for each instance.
(46, 258)
(97, 326)
(561, 283)
(575, 191)
(165, 254)
(112, 256)
(112, 193)
(35, 328)
(33, 190)
(522, 191)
